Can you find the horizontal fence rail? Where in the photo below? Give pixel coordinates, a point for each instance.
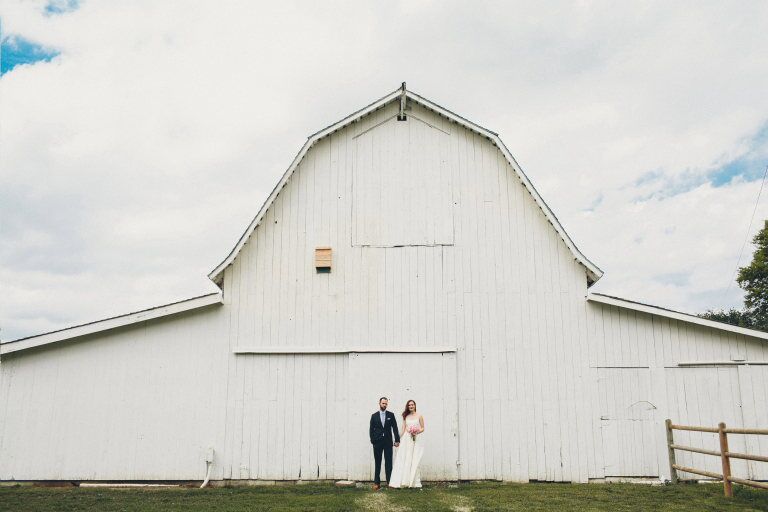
(725, 455)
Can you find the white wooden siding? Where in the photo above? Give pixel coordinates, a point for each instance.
(624, 340)
(401, 185)
(508, 294)
(753, 387)
(503, 293)
(137, 403)
(429, 380)
(287, 417)
(705, 396)
(628, 422)
(537, 365)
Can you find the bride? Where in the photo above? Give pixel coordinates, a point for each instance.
(405, 472)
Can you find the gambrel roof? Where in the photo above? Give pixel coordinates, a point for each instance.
(593, 272)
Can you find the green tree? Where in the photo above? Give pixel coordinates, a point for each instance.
(731, 316)
(753, 279)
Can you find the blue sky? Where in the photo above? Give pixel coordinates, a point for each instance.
(54, 7)
(750, 166)
(134, 158)
(15, 51)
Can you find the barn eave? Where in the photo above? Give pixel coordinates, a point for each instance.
(593, 273)
(78, 331)
(609, 300)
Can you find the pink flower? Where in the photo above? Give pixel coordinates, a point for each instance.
(413, 430)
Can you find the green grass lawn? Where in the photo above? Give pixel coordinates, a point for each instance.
(326, 497)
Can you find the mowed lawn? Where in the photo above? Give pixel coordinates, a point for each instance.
(326, 497)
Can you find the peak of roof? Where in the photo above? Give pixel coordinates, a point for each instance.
(401, 94)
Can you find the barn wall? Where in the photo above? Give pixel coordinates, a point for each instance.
(287, 417)
(503, 289)
(548, 386)
(137, 403)
(636, 358)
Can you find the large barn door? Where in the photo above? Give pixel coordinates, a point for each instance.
(430, 380)
(627, 422)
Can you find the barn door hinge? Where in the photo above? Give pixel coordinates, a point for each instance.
(401, 115)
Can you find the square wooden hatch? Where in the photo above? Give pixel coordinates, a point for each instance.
(323, 259)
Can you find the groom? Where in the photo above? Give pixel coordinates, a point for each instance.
(383, 426)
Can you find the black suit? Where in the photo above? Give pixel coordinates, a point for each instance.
(381, 439)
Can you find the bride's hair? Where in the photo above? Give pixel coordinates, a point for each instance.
(406, 412)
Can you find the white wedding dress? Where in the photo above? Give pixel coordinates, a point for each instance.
(405, 472)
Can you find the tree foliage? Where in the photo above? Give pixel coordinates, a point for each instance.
(753, 279)
(730, 316)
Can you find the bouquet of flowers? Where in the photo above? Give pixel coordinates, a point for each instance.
(413, 430)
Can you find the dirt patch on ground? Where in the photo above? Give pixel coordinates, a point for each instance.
(457, 502)
(378, 501)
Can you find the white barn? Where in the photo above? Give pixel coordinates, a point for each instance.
(451, 282)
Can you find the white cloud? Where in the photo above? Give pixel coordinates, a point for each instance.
(131, 163)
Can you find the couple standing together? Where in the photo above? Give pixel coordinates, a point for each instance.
(405, 472)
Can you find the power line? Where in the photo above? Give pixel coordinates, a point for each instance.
(746, 236)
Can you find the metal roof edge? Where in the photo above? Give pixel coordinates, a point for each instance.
(106, 324)
(215, 274)
(675, 315)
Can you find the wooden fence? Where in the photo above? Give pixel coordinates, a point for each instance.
(725, 455)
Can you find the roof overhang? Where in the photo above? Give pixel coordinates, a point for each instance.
(107, 324)
(675, 315)
(593, 272)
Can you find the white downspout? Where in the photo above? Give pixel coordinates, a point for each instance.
(208, 466)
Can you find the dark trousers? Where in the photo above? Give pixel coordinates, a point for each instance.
(384, 447)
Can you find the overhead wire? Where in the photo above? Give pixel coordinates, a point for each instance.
(746, 236)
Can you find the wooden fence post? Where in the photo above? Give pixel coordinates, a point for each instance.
(727, 484)
(670, 442)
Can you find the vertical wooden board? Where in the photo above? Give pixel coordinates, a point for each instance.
(284, 279)
(293, 254)
(608, 357)
(472, 456)
(390, 157)
(568, 325)
(729, 393)
(754, 396)
(552, 412)
(638, 349)
(679, 345)
(662, 401)
(736, 347)
(582, 407)
(298, 404)
(572, 360)
(538, 342)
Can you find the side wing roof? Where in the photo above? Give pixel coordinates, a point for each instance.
(593, 272)
(609, 300)
(78, 331)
